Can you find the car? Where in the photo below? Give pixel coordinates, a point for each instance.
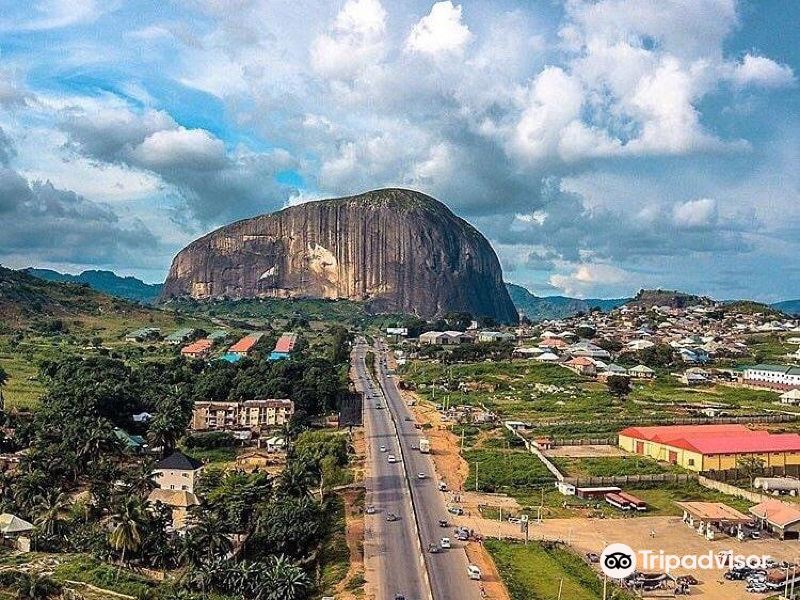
(455, 510)
(443, 523)
(592, 557)
(474, 572)
(399, 597)
(442, 486)
(371, 510)
(756, 535)
(421, 476)
(391, 518)
(445, 542)
(383, 448)
(687, 579)
(433, 549)
(378, 406)
(407, 419)
(392, 458)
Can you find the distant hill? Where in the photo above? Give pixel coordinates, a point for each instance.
(673, 298)
(791, 307)
(25, 299)
(109, 282)
(541, 308)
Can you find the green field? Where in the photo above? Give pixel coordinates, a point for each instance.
(512, 472)
(537, 572)
(607, 466)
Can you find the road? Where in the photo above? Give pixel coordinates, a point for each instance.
(447, 570)
(391, 548)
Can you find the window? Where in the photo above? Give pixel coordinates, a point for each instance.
(691, 462)
(172, 487)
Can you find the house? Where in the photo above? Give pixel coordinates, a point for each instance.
(258, 459)
(143, 335)
(528, 352)
(589, 350)
(180, 501)
(706, 517)
(642, 372)
(694, 377)
(581, 365)
(444, 338)
(553, 344)
(636, 345)
(548, 357)
(284, 346)
(245, 345)
(133, 444)
(198, 349)
(495, 336)
(255, 415)
(791, 397)
(16, 532)
(711, 447)
(431, 338)
(780, 518)
(179, 336)
(177, 472)
(772, 376)
(612, 370)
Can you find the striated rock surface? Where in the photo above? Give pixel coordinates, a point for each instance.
(397, 250)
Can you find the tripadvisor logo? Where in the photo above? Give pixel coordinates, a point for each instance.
(620, 561)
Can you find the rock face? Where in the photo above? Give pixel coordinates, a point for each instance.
(397, 250)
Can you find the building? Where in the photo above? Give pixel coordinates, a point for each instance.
(588, 350)
(780, 518)
(198, 349)
(706, 517)
(775, 377)
(642, 372)
(179, 336)
(218, 335)
(245, 345)
(711, 447)
(791, 397)
(255, 415)
(16, 532)
(177, 472)
(582, 366)
(444, 338)
(143, 335)
(495, 336)
(284, 346)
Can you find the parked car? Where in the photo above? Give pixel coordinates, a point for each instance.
(474, 572)
(433, 549)
(442, 486)
(421, 476)
(371, 510)
(445, 542)
(443, 523)
(392, 458)
(455, 510)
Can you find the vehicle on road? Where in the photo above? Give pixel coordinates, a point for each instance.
(383, 448)
(421, 476)
(445, 542)
(378, 406)
(433, 549)
(424, 445)
(391, 518)
(371, 510)
(442, 486)
(474, 572)
(455, 510)
(399, 597)
(392, 458)
(443, 523)
(407, 419)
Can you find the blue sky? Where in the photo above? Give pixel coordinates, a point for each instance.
(601, 146)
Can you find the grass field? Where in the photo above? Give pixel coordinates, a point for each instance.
(612, 465)
(512, 472)
(536, 572)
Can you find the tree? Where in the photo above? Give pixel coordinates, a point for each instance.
(51, 509)
(127, 523)
(284, 581)
(208, 538)
(35, 587)
(750, 465)
(619, 385)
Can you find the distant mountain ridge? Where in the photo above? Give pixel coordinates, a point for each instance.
(108, 282)
(541, 308)
(791, 307)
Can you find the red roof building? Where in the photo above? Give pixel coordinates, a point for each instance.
(711, 447)
(245, 345)
(198, 349)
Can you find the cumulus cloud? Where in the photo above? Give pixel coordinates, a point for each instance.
(214, 184)
(762, 71)
(587, 278)
(696, 213)
(440, 32)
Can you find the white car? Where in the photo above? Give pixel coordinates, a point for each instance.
(474, 572)
(445, 543)
(371, 510)
(421, 475)
(383, 448)
(392, 458)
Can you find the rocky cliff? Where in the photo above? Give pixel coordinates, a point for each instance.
(397, 250)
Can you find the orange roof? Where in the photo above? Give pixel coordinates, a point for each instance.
(777, 512)
(244, 345)
(580, 361)
(286, 342)
(196, 347)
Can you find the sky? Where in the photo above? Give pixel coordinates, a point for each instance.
(601, 146)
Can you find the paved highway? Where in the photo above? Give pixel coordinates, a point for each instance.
(447, 570)
(391, 548)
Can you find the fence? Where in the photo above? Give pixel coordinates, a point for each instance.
(626, 480)
(611, 441)
(732, 490)
(536, 452)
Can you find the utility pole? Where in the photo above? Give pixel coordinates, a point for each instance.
(476, 475)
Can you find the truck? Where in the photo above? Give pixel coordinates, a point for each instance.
(424, 445)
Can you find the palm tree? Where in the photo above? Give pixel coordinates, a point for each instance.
(296, 479)
(4, 377)
(285, 581)
(210, 534)
(127, 524)
(50, 509)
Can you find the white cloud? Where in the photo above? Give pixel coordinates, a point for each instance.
(762, 71)
(441, 31)
(589, 277)
(55, 14)
(183, 148)
(695, 213)
(355, 42)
